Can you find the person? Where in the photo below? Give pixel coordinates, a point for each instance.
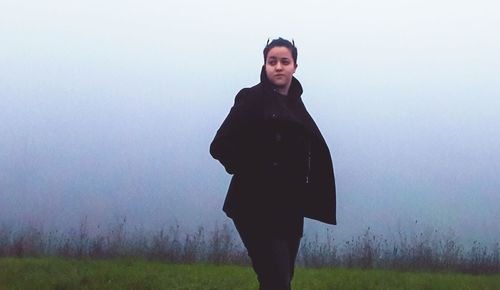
(281, 166)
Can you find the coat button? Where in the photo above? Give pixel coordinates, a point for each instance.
(278, 137)
(275, 163)
(274, 116)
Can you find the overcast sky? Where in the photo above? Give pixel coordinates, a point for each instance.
(107, 108)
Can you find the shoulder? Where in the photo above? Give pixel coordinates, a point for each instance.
(248, 96)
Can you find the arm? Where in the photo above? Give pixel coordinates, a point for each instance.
(227, 146)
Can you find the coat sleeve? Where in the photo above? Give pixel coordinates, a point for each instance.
(228, 144)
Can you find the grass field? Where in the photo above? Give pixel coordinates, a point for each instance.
(57, 273)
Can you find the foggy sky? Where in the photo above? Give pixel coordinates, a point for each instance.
(108, 109)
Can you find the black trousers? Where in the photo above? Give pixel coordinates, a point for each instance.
(273, 257)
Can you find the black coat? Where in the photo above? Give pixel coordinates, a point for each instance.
(279, 160)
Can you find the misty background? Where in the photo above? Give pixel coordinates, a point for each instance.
(107, 109)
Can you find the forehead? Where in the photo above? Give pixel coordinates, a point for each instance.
(279, 52)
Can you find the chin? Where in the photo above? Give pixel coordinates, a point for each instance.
(279, 84)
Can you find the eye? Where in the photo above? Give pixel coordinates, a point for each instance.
(271, 62)
(285, 62)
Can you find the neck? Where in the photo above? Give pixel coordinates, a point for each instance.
(283, 90)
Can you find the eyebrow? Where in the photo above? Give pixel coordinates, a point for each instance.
(283, 58)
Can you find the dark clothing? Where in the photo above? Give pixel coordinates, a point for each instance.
(273, 259)
(282, 172)
(280, 162)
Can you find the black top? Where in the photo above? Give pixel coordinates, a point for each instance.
(281, 165)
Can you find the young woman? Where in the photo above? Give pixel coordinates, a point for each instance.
(281, 166)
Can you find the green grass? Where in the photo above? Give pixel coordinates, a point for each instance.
(57, 273)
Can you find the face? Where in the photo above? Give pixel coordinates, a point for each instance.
(280, 67)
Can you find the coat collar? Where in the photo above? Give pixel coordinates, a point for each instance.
(294, 92)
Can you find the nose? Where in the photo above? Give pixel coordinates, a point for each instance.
(278, 66)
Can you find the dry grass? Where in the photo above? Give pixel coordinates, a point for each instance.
(220, 245)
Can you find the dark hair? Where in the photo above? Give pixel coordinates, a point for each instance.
(281, 42)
